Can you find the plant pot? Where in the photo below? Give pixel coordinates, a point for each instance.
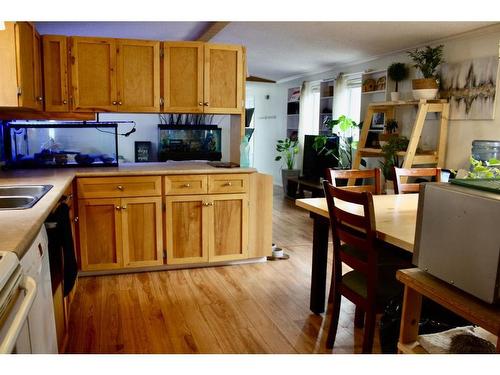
(290, 189)
(394, 96)
(389, 187)
(425, 88)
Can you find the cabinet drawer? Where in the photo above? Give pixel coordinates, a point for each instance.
(111, 187)
(228, 183)
(180, 185)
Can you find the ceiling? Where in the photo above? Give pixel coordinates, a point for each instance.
(281, 50)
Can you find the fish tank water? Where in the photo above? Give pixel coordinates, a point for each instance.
(189, 142)
(45, 144)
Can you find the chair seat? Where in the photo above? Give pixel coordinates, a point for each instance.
(388, 287)
(387, 255)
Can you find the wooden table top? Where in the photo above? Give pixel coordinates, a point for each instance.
(395, 216)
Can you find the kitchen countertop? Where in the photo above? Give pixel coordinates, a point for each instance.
(18, 228)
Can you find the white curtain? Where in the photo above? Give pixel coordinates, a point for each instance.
(308, 114)
(341, 97)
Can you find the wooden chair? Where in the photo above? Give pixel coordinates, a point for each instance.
(376, 188)
(402, 188)
(372, 281)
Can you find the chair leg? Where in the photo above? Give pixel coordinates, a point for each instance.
(359, 317)
(334, 320)
(369, 331)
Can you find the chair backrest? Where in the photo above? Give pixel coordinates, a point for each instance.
(413, 187)
(376, 188)
(356, 230)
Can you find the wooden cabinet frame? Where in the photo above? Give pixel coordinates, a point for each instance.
(56, 78)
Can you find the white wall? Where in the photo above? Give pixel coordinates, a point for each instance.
(147, 130)
(269, 117)
(461, 133)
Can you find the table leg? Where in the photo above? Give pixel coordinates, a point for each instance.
(319, 263)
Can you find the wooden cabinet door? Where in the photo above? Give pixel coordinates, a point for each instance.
(187, 229)
(142, 231)
(183, 77)
(37, 66)
(138, 74)
(223, 92)
(100, 234)
(25, 51)
(55, 70)
(228, 227)
(93, 75)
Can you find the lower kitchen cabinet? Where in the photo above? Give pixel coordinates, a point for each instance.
(120, 233)
(206, 228)
(100, 225)
(186, 229)
(228, 227)
(142, 231)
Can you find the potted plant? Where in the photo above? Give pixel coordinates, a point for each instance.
(287, 149)
(390, 129)
(391, 159)
(343, 127)
(426, 60)
(397, 72)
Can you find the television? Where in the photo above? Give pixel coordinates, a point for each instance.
(314, 165)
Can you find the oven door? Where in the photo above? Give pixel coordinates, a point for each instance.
(14, 332)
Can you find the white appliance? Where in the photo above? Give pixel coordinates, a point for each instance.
(42, 325)
(17, 294)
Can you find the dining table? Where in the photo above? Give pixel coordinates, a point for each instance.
(395, 222)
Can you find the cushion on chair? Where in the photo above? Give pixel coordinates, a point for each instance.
(388, 286)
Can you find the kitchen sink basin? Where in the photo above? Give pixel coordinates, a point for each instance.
(20, 197)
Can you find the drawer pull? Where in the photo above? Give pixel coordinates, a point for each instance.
(208, 203)
(118, 207)
(228, 183)
(120, 187)
(124, 207)
(186, 185)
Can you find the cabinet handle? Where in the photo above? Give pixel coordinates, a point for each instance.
(75, 219)
(229, 183)
(205, 104)
(114, 102)
(210, 203)
(120, 187)
(200, 104)
(65, 101)
(187, 185)
(39, 98)
(118, 207)
(119, 103)
(124, 207)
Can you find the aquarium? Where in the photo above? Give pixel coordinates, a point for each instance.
(55, 144)
(189, 142)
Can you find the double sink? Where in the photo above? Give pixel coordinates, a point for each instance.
(20, 197)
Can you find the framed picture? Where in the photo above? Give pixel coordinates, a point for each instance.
(378, 120)
(142, 151)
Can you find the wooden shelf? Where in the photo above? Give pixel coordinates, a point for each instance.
(374, 92)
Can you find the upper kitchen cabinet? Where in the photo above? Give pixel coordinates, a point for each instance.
(223, 79)
(115, 75)
(202, 78)
(93, 74)
(138, 76)
(55, 71)
(183, 77)
(20, 59)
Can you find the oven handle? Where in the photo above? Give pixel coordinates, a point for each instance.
(29, 285)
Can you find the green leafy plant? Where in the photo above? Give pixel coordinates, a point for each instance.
(427, 60)
(391, 126)
(391, 158)
(287, 150)
(484, 170)
(397, 72)
(343, 127)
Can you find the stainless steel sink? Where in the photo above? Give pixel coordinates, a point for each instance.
(20, 197)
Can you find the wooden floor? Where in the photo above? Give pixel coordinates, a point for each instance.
(253, 308)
